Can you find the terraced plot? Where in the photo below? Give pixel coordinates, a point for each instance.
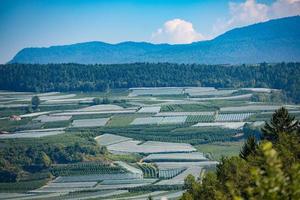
(108, 139)
(155, 91)
(200, 118)
(90, 122)
(133, 146)
(85, 195)
(149, 170)
(96, 177)
(188, 107)
(232, 117)
(195, 91)
(170, 173)
(101, 108)
(146, 120)
(237, 97)
(264, 90)
(249, 108)
(175, 157)
(173, 120)
(50, 118)
(159, 120)
(33, 133)
(170, 114)
(179, 179)
(84, 168)
(130, 168)
(230, 125)
(68, 101)
(170, 165)
(33, 114)
(213, 93)
(95, 112)
(150, 109)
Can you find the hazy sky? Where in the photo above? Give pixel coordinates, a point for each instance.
(42, 23)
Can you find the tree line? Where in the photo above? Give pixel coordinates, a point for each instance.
(77, 77)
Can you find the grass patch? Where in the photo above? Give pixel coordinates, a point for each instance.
(91, 116)
(219, 149)
(6, 112)
(60, 107)
(131, 158)
(22, 186)
(8, 125)
(58, 124)
(121, 120)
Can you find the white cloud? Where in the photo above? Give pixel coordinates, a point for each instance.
(284, 8)
(176, 31)
(250, 11)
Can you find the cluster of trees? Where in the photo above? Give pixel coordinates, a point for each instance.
(30, 155)
(34, 104)
(267, 169)
(274, 96)
(77, 77)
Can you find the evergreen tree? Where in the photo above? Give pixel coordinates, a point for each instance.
(281, 122)
(249, 147)
(96, 101)
(35, 102)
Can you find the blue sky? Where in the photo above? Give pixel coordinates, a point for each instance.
(42, 23)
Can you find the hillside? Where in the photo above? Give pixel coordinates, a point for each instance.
(273, 41)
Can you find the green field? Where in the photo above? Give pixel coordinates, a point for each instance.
(200, 118)
(219, 149)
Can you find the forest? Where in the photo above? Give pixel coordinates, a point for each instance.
(77, 77)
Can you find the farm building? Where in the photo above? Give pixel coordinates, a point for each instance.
(15, 118)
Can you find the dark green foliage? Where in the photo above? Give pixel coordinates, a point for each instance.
(149, 170)
(96, 101)
(200, 118)
(84, 168)
(274, 96)
(22, 186)
(268, 171)
(34, 155)
(105, 101)
(35, 102)
(7, 175)
(249, 131)
(72, 77)
(249, 147)
(281, 122)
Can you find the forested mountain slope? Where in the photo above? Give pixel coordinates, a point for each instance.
(273, 41)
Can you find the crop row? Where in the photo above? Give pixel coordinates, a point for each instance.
(84, 168)
(170, 173)
(232, 117)
(149, 170)
(200, 118)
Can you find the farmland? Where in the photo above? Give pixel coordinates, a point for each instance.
(122, 143)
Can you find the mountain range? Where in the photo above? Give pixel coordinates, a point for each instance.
(276, 40)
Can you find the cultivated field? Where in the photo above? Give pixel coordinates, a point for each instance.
(130, 143)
